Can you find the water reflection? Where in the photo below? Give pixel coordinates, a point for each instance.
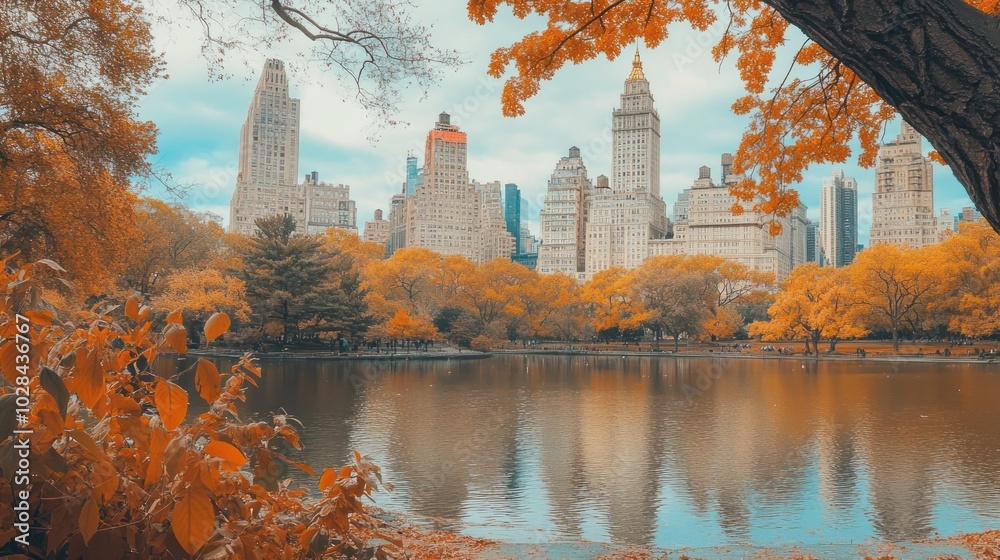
(660, 451)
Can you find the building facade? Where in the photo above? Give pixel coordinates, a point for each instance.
(626, 217)
(903, 201)
(378, 230)
(447, 213)
(564, 218)
(397, 224)
(838, 220)
(267, 174)
(812, 248)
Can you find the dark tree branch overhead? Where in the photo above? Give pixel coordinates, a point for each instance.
(937, 62)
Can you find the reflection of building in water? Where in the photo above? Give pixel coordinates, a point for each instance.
(453, 437)
(617, 433)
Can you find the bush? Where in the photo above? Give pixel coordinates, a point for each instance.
(482, 343)
(118, 471)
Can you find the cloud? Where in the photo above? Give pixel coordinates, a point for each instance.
(200, 120)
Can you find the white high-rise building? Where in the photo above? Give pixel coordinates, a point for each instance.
(625, 220)
(563, 217)
(903, 201)
(266, 181)
(838, 220)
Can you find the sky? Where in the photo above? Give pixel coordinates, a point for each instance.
(199, 119)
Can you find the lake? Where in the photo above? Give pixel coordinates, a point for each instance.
(659, 451)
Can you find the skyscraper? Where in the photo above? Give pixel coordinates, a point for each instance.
(377, 230)
(811, 244)
(903, 201)
(633, 213)
(512, 215)
(563, 217)
(268, 169)
(412, 174)
(447, 213)
(838, 220)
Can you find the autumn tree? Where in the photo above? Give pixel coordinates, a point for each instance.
(405, 281)
(893, 285)
(171, 237)
(970, 299)
(539, 302)
(675, 299)
(70, 142)
(403, 326)
(937, 63)
(490, 292)
(813, 303)
(608, 300)
(200, 293)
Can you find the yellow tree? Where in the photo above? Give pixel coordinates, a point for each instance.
(202, 292)
(862, 61)
(348, 243)
(813, 303)
(404, 281)
(171, 237)
(970, 299)
(676, 300)
(608, 300)
(894, 285)
(490, 292)
(403, 326)
(541, 303)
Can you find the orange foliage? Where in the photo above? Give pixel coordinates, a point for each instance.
(796, 123)
(119, 470)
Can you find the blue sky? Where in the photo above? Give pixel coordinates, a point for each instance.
(199, 120)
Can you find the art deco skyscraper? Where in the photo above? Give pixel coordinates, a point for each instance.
(903, 201)
(633, 213)
(268, 172)
(838, 220)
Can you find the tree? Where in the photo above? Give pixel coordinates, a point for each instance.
(970, 299)
(373, 47)
(675, 301)
(608, 299)
(293, 286)
(936, 62)
(538, 301)
(402, 326)
(70, 142)
(490, 292)
(893, 285)
(813, 303)
(202, 292)
(171, 237)
(405, 281)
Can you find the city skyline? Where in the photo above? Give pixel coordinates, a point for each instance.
(696, 121)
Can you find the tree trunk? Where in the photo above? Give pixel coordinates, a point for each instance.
(936, 61)
(677, 343)
(895, 340)
(806, 341)
(833, 345)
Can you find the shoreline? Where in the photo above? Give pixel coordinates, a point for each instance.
(910, 358)
(421, 356)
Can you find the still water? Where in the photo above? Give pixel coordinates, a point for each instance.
(660, 451)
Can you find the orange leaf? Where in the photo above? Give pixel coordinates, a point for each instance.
(175, 318)
(216, 325)
(172, 403)
(89, 377)
(193, 520)
(327, 479)
(227, 452)
(207, 381)
(89, 517)
(143, 313)
(132, 308)
(176, 336)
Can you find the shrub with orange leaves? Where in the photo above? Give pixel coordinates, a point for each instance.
(119, 470)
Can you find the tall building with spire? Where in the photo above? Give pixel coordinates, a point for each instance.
(268, 169)
(838, 220)
(903, 201)
(564, 216)
(633, 213)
